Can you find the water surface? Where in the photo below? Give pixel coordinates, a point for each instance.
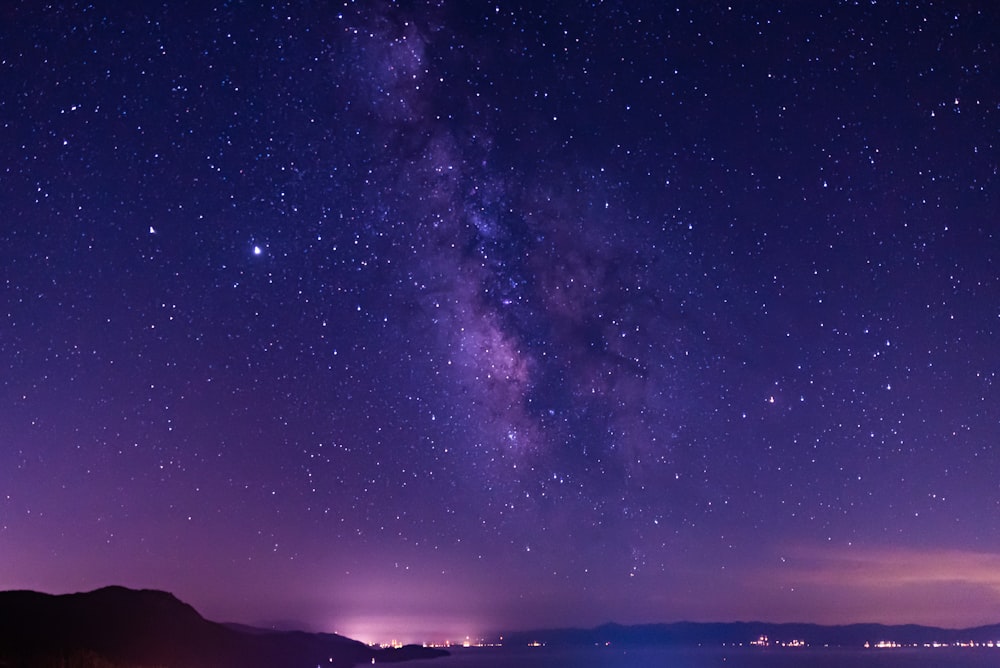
(661, 657)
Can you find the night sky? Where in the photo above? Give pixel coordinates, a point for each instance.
(421, 320)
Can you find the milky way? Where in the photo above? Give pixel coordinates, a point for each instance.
(446, 318)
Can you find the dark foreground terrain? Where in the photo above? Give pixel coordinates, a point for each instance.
(117, 627)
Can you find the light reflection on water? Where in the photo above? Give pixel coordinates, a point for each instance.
(610, 657)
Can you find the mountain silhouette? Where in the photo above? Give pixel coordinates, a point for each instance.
(116, 627)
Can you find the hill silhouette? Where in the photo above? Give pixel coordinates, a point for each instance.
(116, 627)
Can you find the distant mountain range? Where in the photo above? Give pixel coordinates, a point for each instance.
(735, 633)
(117, 627)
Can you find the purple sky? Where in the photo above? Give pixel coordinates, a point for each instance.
(418, 320)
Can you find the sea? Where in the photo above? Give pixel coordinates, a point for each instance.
(701, 657)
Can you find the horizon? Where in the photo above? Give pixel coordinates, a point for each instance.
(486, 638)
(462, 316)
